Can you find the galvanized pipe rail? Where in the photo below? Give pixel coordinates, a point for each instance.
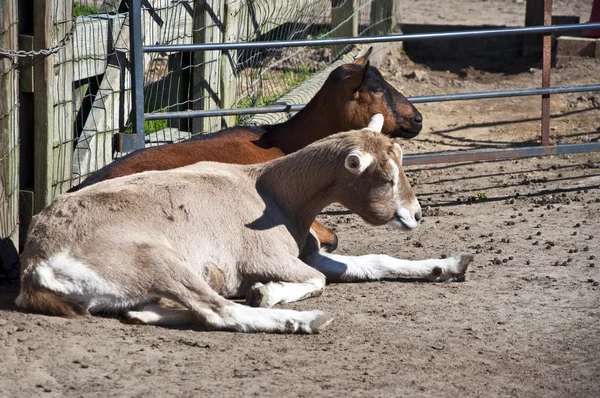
(372, 39)
(137, 49)
(414, 100)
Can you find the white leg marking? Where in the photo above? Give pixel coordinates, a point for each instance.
(339, 268)
(156, 315)
(272, 293)
(247, 319)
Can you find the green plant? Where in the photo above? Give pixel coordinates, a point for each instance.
(250, 102)
(81, 10)
(150, 126)
(322, 34)
(294, 77)
(479, 196)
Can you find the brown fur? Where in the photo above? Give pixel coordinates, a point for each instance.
(46, 302)
(350, 96)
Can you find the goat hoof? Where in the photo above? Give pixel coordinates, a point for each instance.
(319, 324)
(463, 261)
(257, 296)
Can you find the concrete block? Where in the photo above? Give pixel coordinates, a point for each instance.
(568, 46)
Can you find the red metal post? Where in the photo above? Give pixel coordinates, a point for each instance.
(546, 61)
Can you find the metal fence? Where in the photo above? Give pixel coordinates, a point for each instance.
(547, 30)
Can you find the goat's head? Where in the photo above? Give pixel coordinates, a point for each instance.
(364, 93)
(376, 187)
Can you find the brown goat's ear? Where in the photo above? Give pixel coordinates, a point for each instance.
(357, 161)
(356, 76)
(364, 58)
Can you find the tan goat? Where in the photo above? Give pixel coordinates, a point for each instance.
(206, 232)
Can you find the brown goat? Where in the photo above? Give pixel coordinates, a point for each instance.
(350, 96)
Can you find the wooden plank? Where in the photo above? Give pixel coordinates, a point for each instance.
(172, 22)
(64, 126)
(383, 17)
(9, 143)
(43, 104)
(261, 16)
(344, 19)
(93, 39)
(207, 64)
(109, 113)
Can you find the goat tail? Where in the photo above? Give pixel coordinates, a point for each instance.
(38, 299)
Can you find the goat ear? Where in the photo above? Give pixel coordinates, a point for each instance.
(357, 161)
(376, 123)
(401, 152)
(362, 59)
(354, 76)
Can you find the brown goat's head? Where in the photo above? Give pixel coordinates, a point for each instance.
(364, 93)
(375, 185)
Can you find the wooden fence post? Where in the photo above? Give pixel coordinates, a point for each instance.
(9, 143)
(43, 104)
(344, 19)
(228, 76)
(207, 28)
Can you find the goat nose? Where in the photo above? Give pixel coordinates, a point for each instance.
(418, 216)
(418, 118)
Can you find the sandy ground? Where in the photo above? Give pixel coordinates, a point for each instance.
(525, 323)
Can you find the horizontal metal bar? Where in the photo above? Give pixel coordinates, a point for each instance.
(416, 100)
(371, 39)
(498, 154)
(504, 93)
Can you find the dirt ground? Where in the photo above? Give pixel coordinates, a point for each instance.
(525, 323)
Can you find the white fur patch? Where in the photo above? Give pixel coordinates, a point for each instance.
(74, 279)
(247, 319)
(403, 212)
(338, 268)
(287, 292)
(68, 276)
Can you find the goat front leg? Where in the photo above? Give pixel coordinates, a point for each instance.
(370, 267)
(297, 281)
